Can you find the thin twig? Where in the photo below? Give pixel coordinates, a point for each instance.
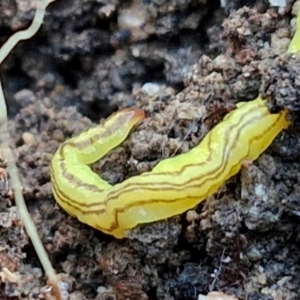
(212, 285)
(8, 154)
(190, 130)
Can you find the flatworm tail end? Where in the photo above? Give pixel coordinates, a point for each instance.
(295, 43)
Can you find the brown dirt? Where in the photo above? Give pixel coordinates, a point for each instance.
(85, 63)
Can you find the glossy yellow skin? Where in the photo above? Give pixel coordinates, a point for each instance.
(173, 186)
(295, 42)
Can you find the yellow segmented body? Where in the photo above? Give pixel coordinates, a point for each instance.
(173, 186)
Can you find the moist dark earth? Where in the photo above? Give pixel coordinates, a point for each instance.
(186, 63)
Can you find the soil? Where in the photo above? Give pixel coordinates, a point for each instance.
(186, 63)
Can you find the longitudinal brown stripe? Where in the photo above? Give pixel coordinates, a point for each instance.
(187, 182)
(130, 187)
(94, 207)
(196, 181)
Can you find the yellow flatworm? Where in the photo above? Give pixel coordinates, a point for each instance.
(173, 186)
